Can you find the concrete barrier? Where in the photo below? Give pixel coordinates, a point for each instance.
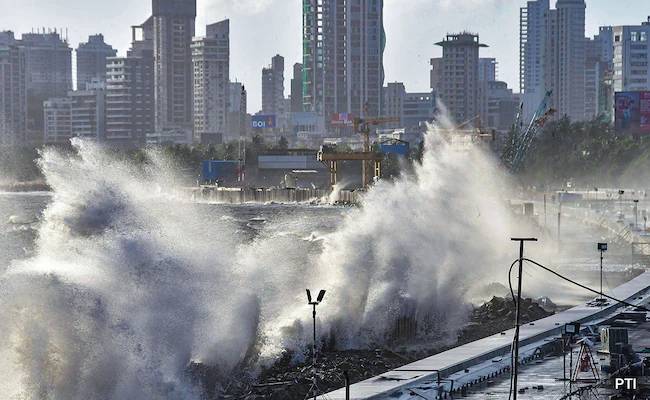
(213, 194)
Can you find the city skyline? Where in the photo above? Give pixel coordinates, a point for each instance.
(252, 50)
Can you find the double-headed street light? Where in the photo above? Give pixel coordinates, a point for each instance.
(319, 299)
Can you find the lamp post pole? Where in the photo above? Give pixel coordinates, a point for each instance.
(601, 275)
(313, 352)
(559, 225)
(602, 247)
(515, 369)
(545, 220)
(314, 303)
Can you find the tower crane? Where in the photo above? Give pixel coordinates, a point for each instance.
(522, 140)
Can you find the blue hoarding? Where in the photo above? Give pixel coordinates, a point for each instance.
(395, 147)
(264, 121)
(217, 170)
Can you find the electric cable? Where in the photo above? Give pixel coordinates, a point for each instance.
(623, 302)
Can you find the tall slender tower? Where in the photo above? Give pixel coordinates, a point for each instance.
(174, 27)
(571, 58)
(273, 87)
(130, 91)
(534, 53)
(13, 95)
(48, 74)
(296, 88)
(211, 59)
(343, 48)
(553, 56)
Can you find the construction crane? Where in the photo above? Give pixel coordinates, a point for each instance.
(367, 156)
(522, 140)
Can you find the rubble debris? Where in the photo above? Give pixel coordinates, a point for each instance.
(286, 380)
(497, 315)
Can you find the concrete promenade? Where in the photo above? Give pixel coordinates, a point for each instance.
(405, 382)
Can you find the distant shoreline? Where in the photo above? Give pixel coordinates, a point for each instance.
(18, 187)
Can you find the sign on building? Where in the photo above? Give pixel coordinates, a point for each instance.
(342, 119)
(632, 110)
(264, 121)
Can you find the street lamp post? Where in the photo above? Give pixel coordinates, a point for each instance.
(559, 223)
(620, 204)
(515, 369)
(319, 299)
(636, 214)
(602, 247)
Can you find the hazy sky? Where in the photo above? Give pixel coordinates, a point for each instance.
(262, 28)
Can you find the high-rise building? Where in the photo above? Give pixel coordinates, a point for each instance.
(91, 60)
(48, 60)
(88, 111)
(130, 91)
(599, 74)
(343, 48)
(273, 100)
(273, 87)
(553, 56)
(459, 76)
(237, 112)
(631, 56)
(412, 109)
(296, 88)
(58, 120)
(211, 60)
(501, 107)
(436, 73)
(13, 95)
(173, 29)
(534, 53)
(418, 109)
(394, 94)
(487, 69)
(487, 73)
(571, 58)
(596, 73)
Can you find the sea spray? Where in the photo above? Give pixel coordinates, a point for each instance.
(131, 284)
(416, 246)
(128, 286)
